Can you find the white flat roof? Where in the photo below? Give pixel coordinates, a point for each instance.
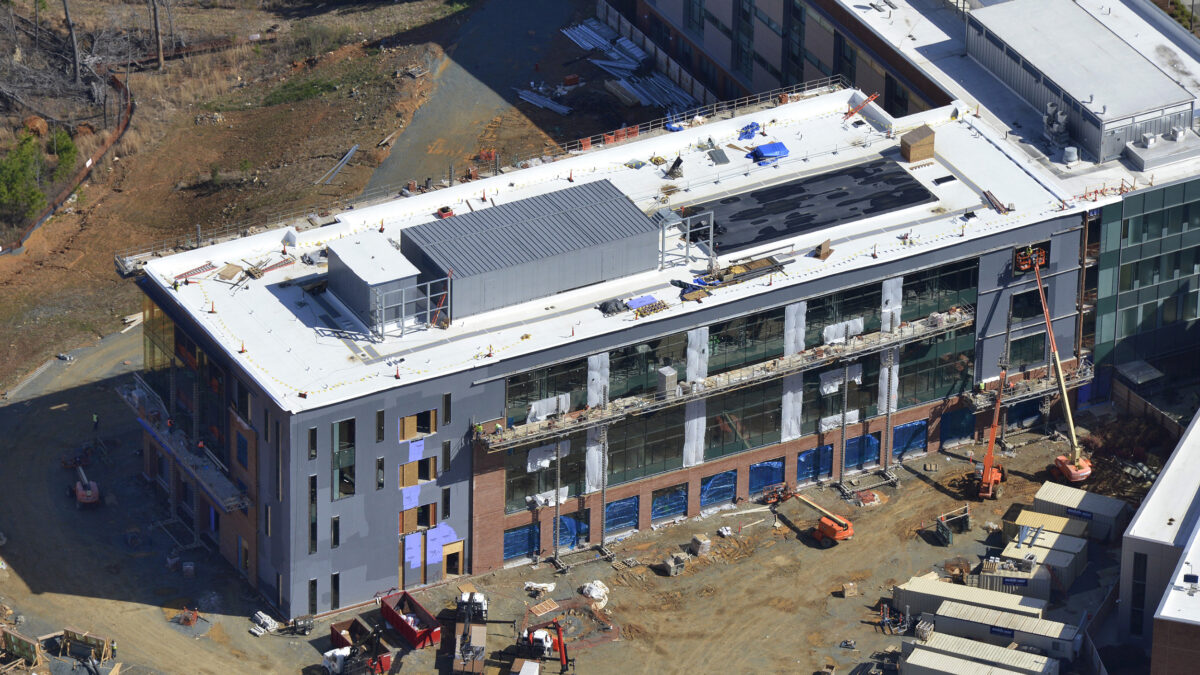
(1102, 72)
(1171, 510)
(289, 357)
(373, 257)
(931, 36)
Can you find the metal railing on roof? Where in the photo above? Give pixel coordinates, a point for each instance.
(1025, 390)
(130, 261)
(825, 355)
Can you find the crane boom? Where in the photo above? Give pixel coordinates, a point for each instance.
(1073, 467)
(841, 522)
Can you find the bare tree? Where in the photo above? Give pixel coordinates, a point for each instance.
(74, 44)
(157, 32)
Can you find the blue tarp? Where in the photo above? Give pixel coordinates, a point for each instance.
(669, 503)
(764, 474)
(747, 132)
(621, 515)
(521, 541)
(718, 488)
(861, 451)
(674, 126)
(957, 427)
(641, 301)
(814, 464)
(768, 154)
(572, 530)
(909, 439)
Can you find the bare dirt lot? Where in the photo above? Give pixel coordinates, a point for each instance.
(765, 600)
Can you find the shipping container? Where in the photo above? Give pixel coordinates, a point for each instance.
(985, 653)
(1035, 584)
(1064, 568)
(1106, 516)
(1056, 542)
(1052, 638)
(923, 594)
(928, 662)
(1048, 523)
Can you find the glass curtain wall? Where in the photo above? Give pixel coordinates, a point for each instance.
(745, 340)
(939, 289)
(520, 483)
(524, 389)
(936, 368)
(645, 445)
(832, 309)
(634, 369)
(743, 420)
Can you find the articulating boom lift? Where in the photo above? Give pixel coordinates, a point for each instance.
(1074, 467)
(989, 474)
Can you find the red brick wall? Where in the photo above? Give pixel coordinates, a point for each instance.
(1176, 648)
(488, 520)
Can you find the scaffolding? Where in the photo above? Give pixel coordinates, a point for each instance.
(1025, 390)
(421, 305)
(606, 413)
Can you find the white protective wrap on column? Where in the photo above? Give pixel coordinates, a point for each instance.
(593, 461)
(889, 310)
(793, 327)
(835, 421)
(793, 403)
(697, 354)
(840, 332)
(597, 382)
(831, 380)
(693, 433)
(890, 375)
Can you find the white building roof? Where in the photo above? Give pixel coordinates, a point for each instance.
(373, 257)
(1080, 54)
(973, 595)
(303, 368)
(1171, 510)
(1170, 514)
(931, 37)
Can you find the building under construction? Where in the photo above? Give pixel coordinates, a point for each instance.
(523, 365)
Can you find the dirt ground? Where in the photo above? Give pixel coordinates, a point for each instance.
(204, 150)
(765, 600)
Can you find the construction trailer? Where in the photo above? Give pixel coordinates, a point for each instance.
(929, 662)
(1106, 516)
(983, 653)
(1036, 583)
(1064, 567)
(1055, 639)
(923, 594)
(1054, 541)
(1047, 522)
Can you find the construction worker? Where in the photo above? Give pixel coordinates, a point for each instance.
(499, 429)
(95, 423)
(478, 429)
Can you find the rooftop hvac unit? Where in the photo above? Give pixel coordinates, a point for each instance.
(1149, 139)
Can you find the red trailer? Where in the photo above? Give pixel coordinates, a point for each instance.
(412, 621)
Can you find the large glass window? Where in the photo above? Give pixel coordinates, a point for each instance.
(940, 288)
(669, 502)
(1027, 351)
(645, 445)
(524, 389)
(718, 489)
(343, 458)
(1026, 305)
(634, 369)
(862, 302)
(520, 483)
(745, 340)
(861, 396)
(936, 368)
(742, 420)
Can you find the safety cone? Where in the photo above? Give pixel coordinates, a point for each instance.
(212, 308)
(243, 349)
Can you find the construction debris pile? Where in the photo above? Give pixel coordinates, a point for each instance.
(631, 65)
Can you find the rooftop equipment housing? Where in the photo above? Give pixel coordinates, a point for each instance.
(1078, 73)
(503, 255)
